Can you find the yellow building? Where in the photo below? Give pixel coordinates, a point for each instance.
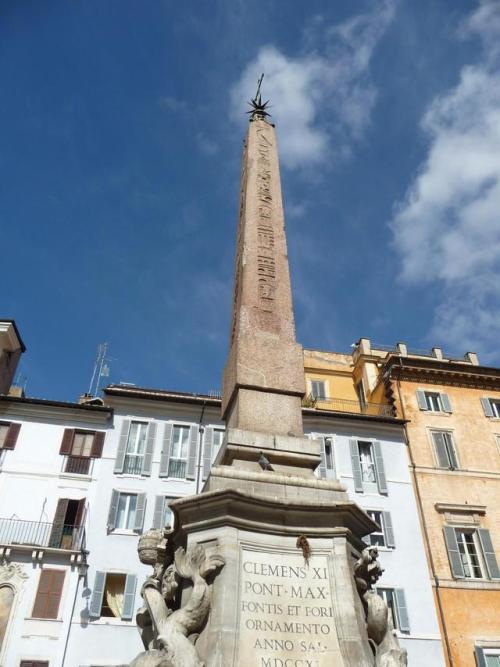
(452, 412)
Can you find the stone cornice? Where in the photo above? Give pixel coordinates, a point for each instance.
(434, 371)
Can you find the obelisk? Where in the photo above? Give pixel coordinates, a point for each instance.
(265, 553)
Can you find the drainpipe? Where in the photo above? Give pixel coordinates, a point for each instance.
(82, 573)
(198, 464)
(424, 525)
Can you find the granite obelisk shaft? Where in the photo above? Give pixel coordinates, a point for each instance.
(264, 375)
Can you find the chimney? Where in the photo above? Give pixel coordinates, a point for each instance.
(11, 349)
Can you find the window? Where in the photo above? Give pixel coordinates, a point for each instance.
(113, 595)
(445, 450)
(48, 595)
(8, 434)
(366, 462)
(368, 466)
(126, 511)
(179, 452)
(491, 407)
(385, 536)
(217, 442)
(318, 389)
(395, 600)
(487, 657)
(433, 401)
(136, 447)
(471, 553)
(79, 447)
(361, 395)
(163, 516)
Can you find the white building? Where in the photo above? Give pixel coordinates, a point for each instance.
(82, 481)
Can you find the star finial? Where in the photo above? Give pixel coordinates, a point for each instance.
(259, 108)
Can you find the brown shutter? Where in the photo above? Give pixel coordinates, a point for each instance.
(79, 512)
(97, 445)
(58, 525)
(67, 441)
(48, 595)
(11, 437)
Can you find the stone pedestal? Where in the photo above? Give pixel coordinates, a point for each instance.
(277, 604)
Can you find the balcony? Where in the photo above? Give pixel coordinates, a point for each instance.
(77, 465)
(177, 468)
(15, 532)
(348, 406)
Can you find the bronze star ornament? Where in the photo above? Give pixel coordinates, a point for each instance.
(258, 107)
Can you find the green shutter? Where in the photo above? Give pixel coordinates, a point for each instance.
(489, 553)
(441, 449)
(165, 452)
(388, 530)
(456, 566)
(421, 400)
(488, 410)
(97, 594)
(122, 446)
(129, 597)
(480, 657)
(379, 466)
(451, 451)
(322, 465)
(208, 441)
(193, 449)
(113, 509)
(148, 454)
(140, 509)
(445, 403)
(402, 610)
(356, 466)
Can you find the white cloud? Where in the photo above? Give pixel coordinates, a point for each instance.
(321, 99)
(447, 229)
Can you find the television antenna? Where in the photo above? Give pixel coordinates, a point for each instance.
(101, 368)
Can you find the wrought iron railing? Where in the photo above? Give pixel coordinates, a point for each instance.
(41, 534)
(177, 468)
(133, 465)
(77, 465)
(346, 405)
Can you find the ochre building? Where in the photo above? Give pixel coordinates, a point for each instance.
(452, 411)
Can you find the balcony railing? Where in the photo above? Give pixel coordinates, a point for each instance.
(348, 406)
(177, 468)
(78, 465)
(133, 464)
(41, 534)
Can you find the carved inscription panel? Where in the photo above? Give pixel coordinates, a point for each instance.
(286, 616)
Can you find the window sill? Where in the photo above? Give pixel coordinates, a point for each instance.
(112, 621)
(436, 413)
(74, 475)
(129, 475)
(51, 620)
(122, 531)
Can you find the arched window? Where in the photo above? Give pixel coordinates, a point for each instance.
(7, 594)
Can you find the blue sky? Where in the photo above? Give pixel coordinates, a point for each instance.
(122, 125)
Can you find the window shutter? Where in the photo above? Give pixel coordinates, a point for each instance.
(450, 537)
(488, 410)
(388, 529)
(129, 597)
(67, 441)
(11, 437)
(451, 451)
(440, 447)
(97, 594)
(356, 466)
(79, 512)
(480, 657)
(445, 403)
(402, 610)
(139, 513)
(97, 445)
(422, 402)
(159, 512)
(113, 509)
(122, 446)
(150, 445)
(489, 553)
(165, 452)
(193, 447)
(322, 465)
(57, 529)
(48, 595)
(379, 466)
(208, 441)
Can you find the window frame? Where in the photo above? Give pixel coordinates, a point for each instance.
(381, 523)
(373, 465)
(495, 407)
(312, 382)
(463, 530)
(449, 442)
(222, 431)
(178, 460)
(127, 512)
(137, 458)
(429, 397)
(394, 606)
